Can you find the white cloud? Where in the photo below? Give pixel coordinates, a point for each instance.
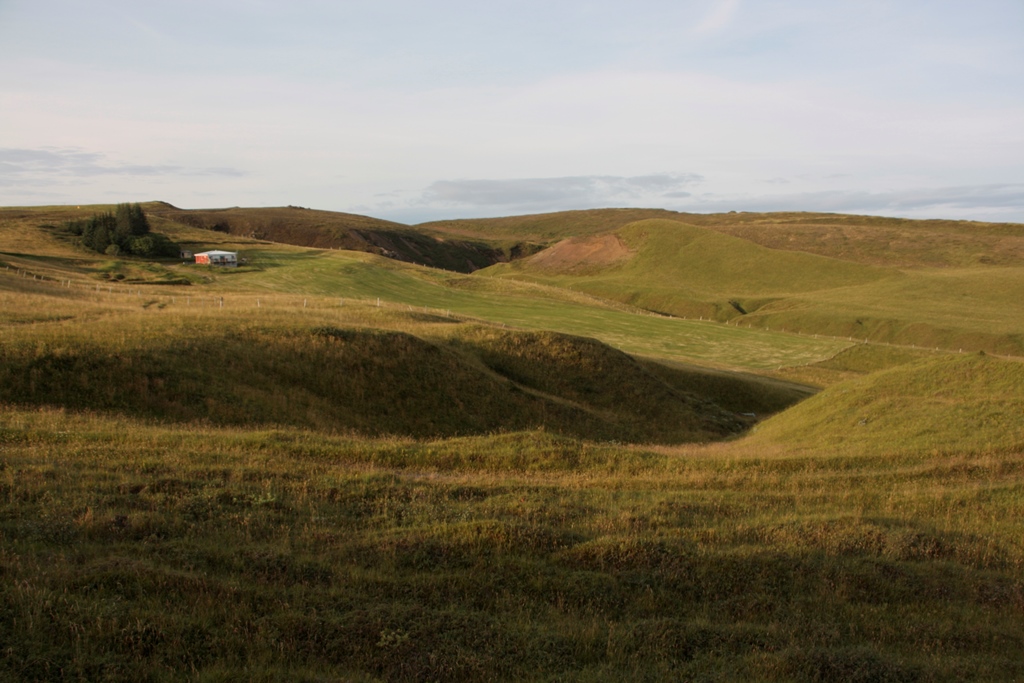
(46, 165)
(539, 194)
(994, 202)
(717, 17)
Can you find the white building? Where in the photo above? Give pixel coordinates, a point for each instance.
(218, 258)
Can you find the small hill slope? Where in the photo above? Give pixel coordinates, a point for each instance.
(371, 382)
(608, 382)
(967, 403)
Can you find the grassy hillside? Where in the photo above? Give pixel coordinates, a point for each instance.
(682, 269)
(876, 240)
(546, 228)
(697, 272)
(870, 240)
(945, 404)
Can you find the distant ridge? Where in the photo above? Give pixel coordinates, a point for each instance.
(334, 230)
(870, 240)
(939, 285)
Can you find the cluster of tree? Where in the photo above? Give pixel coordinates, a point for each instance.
(126, 231)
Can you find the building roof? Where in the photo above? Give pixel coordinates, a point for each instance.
(217, 252)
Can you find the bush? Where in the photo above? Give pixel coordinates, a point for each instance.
(126, 231)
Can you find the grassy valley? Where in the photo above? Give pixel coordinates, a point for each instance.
(333, 465)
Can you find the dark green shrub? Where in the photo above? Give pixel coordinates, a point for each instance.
(126, 231)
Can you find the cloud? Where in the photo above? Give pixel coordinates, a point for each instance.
(992, 202)
(1002, 202)
(27, 166)
(556, 193)
(717, 18)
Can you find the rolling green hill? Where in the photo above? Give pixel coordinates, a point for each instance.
(673, 267)
(690, 271)
(332, 465)
(231, 369)
(970, 403)
(870, 240)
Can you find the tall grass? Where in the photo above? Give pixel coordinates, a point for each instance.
(138, 552)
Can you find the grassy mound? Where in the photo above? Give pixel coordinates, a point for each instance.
(954, 403)
(232, 372)
(608, 382)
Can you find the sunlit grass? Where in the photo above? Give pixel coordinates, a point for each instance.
(138, 552)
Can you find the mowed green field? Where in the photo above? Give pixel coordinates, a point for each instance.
(264, 475)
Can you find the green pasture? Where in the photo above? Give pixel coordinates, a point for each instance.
(522, 305)
(698, 272)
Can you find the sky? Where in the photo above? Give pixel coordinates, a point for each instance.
(416, 111)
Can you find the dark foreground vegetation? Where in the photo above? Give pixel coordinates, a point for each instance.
(135, 552)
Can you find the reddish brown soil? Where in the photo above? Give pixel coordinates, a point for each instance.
(582, 253)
